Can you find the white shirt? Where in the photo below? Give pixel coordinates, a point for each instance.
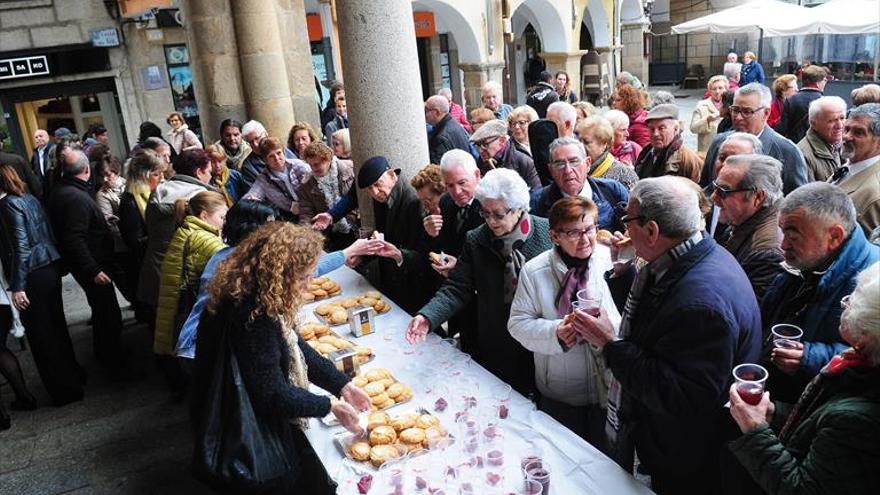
(857, 167)
(40, 158)
(586, 192)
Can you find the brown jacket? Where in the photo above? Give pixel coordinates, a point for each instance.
(756, 246)
(864, 190)
(821, 160)
(312, 201)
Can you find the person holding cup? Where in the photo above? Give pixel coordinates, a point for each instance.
(568, 373)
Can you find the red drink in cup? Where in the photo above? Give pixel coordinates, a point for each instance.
(786, 336)
(590, 301)
(751, 393)
(750, 379)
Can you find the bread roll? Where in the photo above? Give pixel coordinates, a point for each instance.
(404, 422)
(338, 316)
(394, 390)
(374, 388)
(377, 374)
(379, 454)
(360, 451)
(412, 435)
(426, 421)
(324, 309)
(382, 435)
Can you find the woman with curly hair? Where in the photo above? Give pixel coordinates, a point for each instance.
(254, 300)
(631, 101)
(301, 135)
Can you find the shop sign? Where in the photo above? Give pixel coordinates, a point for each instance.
(12, 68)
(105, 37)
(425, 27)
(316, 31)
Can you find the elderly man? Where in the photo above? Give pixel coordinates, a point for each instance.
(689, 317)
(253, 134)
(564, 115)
(455, 110)
(794, 121)
(493, 143)
(666, 154)
(569, 168)
(821, 146)
(446, 133)
(490, 95)
(750, 111)
(231, 139)
(861, 177)
(737, 143)
(397, 212)
(41, 157)
(624, 78)
(824, 251)
(747, 191)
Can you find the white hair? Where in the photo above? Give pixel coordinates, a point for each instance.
(491, 85)
(505, 185)
(567, 141)
(756, 88)
(862, 317)
(669, 201)
(760, 173)
(438, 103)
(342, 136)
(456, 158)
(565, 111)
(757, 146)
(819, 105)
(445, 92)
(252, 127)
(823, 203)
(617, 118)
(732, 69)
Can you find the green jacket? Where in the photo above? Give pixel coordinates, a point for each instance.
(834, 450)
(204, 241)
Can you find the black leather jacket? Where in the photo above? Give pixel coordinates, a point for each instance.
(27, 243)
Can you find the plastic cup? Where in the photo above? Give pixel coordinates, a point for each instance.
(538, 471)
(750, 379)
(589, 301)
(786, 336)
(531, 487)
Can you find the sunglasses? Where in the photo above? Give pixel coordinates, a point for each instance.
(724, 192)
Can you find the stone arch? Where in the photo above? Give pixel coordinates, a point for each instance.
(631, 11)
(545, 18)
(461, 29)
(597, 22)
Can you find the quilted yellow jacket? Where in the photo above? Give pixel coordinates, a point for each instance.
(204, 240)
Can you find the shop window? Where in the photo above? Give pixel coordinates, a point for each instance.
(182, 91)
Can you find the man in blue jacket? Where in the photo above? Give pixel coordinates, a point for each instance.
(688, 317)
(824, 251)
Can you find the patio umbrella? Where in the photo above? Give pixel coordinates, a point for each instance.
(772, 17)
(847, 17)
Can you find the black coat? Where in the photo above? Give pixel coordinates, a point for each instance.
(252, 167)
(447, 135)
(517, 161)
(452, 237)
(795, 121)
(24, 172)
(84, 238)
(26, 243)
(540, 97)
(42, 174)
(132, 226)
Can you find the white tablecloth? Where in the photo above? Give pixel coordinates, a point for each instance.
(576, 466)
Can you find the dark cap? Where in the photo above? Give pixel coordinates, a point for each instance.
(664, 111)
(62, 132)
(371, 170)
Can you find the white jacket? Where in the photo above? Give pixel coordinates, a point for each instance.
(576, 377)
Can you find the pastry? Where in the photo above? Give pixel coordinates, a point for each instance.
(324, 309)
(394, 390)
(359, 381)
(433, 434)
(325, 348)
(381, 453)
(343, 344)
(427, 421)
(405, 395)
(604, 236)
(388, 403)
(379, 418)
(412, 436)
(338, 316)
(363, 351)
(328, 339)
(377, 374)
(382, 435)
(320, 280)
(308, 297)
(307, 334)
(368, 301)
(319, 293)
(375, 388)
(386, 381)
(374, 294)
(349, 303)
(362, 359)
(360, 451)
(626, 241)
(313, 343)
(403, 422)
(435, 258)
(321, 330)
(379, 398)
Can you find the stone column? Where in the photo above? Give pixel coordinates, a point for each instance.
(298, 59)
(210, 36)
(633, 59)
(382, 86)
(264, 74)
(475, 76)
(570, 62)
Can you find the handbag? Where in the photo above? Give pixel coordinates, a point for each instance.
(234, 451)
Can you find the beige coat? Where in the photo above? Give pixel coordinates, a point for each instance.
(704, 128)
(864, 190)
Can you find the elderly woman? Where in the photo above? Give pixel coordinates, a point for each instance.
(569, 374)
(341, 143)
(489, 265)
(280, 181)
(180, 137)
(783, 88)
(300, 136)
(480, 116)
(518, 122)
(829, 442)
(597, 135)
(707, 113)
(429, 186)
(751, 71)
(622, 148)
(227, 180)
(584, 109)
(631, 101)
(330, 180)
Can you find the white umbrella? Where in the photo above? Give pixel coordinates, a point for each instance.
(775, 18)
(847, 17)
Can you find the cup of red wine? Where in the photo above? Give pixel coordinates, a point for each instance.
(589, 301)
(786, 336)
(750, 379)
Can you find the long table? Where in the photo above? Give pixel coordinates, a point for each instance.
(433, 369)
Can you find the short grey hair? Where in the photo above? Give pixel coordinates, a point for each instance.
(625, 77)
(732, 69)
(505, 185)
(79, 164)
(757, 147)
(456, 158)
(445, 92)
(661, 98)
(870, 111)
(491, 85)
(862, 317)
(670, 202)
(617, 118)
(760, 173)
(438, 103)
(154, 143)
(252, 127)
(818, 105)
(755, 88)
(824, 202)
(567, 141)
(566, 111)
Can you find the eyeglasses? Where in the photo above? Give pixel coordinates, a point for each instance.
(745, 111)
(494, 215)
(571, 162)
(844, 303)
(519, 123)
(486, 142)
(629, 218)
(724, 192)
(574, 234)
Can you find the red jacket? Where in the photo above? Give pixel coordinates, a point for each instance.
(638, 130)
(458, 114)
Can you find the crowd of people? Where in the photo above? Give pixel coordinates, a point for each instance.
(689, 256)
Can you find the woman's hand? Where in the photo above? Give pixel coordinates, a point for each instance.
(747, 416)
(566, 333)
(444, 269)
(788, 360)
(21, 301)
(321, 221)
(417, 329)
(358, 248)
(353, 394)
(347, 416)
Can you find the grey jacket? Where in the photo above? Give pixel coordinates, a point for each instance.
(821, 160)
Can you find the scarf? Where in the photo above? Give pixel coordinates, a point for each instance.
(508, 249)
(298, 371)
(625, 152)
(575, 279)
(602, 165)
(235, 160)
(820, 388)
(619, 424)
(141, 198)
(328, 186)
(655, 162)
(220, 183)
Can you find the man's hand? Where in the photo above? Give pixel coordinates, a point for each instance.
(749, 417)
(788, 360)
(359, 399)
(597, 331)
(387, 250)
(433, 223)
(21, 302)
(417, 329)
(102, 279)
(444, 269)
(321, 221)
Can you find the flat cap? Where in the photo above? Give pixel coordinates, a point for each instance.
(490, 129)
(371, 170)
(664, 111)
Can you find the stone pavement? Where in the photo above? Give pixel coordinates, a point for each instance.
(122, 439)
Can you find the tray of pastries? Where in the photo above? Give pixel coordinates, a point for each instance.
(326, 341)
(389, 437)
(321, 288)
(384, 391)
(335, 312)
